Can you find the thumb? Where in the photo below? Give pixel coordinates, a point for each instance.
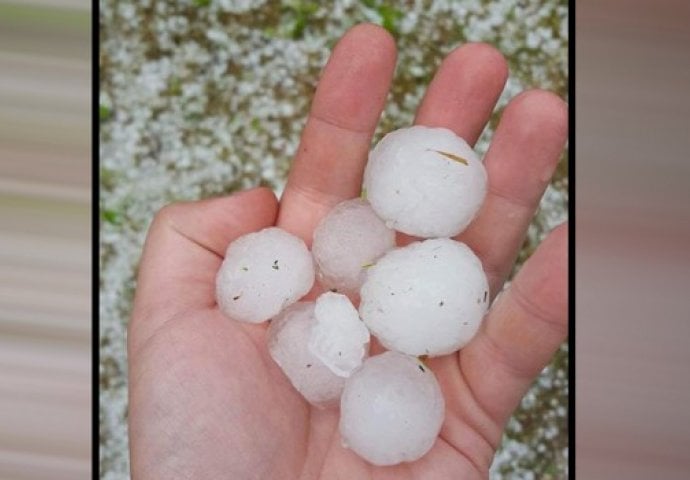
(184, 248)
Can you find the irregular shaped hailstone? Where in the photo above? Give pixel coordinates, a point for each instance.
(346, 242)
(288, 336)
(391, 410)
(262, 273)
(339, 338)
(425, 181)
(427, 298)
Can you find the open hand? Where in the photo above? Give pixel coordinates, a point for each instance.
(205, 399)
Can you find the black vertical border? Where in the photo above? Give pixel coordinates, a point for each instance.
(571, 239)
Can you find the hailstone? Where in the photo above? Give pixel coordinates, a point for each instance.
(427, 298)
(263, 272)
(424, 181)
(319, 344)
(339, 338)
(346, 242)
(288, 338)
(391, 409)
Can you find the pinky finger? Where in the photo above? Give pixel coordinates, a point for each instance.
(524, 328)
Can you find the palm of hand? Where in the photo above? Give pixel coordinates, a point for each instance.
(207, 401)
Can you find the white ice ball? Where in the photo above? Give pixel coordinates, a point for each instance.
(426, 182)
(391, 409)
(427, 298)
(346, 242)
(288, 338)
(262, 273)
(339, 338)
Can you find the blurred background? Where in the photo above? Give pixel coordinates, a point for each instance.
(633, 233)
(45, 259)
(206, 97)
(191, 95)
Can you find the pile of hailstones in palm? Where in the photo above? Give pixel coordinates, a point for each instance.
(424, 299)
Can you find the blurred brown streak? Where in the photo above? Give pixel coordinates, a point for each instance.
(659, 17)
(632, 236)
(45, 309)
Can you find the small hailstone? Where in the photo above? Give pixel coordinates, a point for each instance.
(391, 409)
(425, 181)
(348, 240)
(427, 298)
(262, 273)
(288, 337)
(339, 338)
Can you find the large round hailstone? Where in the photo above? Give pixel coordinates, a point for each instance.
(425, 181)
(262, 273)
(348, 240)
(339, 338)
(391, 410)
(288, 337)
(427, 298)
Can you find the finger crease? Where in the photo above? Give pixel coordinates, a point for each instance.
(500, 356)
(317, 196)
(534, 310)
(340, 125)
(512, 199)
(171, 225)
(485, 436)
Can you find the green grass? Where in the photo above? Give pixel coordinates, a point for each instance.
(20, 15)
(103, 113)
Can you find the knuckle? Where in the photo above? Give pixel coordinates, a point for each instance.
(167, 213)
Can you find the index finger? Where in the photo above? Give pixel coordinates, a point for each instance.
(347, 104)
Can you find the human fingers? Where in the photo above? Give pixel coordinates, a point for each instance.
(333, 150)
(464, 91)
(522, 157)
(522, 331)
(183, 251)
